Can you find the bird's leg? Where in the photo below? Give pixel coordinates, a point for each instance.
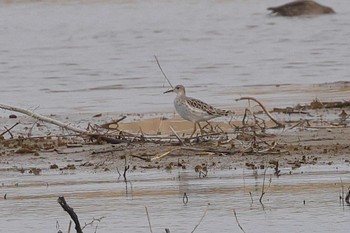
(194, 129)
(201, 129)
(211, 127)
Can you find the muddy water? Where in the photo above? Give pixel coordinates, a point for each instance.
(97, 56)
(307, 200)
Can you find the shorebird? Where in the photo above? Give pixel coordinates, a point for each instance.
(194, 110)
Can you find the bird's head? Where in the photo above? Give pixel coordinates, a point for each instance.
(179, 90)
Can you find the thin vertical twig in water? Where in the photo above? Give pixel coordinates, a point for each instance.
(205, 213)
(149, 220)
(163, 71)
(347, 198)
(251, 197)
(185, 198)
(239, 225)
(69, 226)
(126, 168)
(263, 187)
(342, 197)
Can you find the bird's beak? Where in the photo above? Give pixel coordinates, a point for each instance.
(171, 90)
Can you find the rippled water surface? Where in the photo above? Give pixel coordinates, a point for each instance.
(91, 56)
(306, 201)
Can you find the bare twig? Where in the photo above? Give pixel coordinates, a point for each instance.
(164, 154)
(263, 187)
(114, 125)
(71, 212)
(200, 221)
(347, 198)
(185, 198)
(149, 220)
(263, 107)
(126, 168)
(239, 225)
(214, 150)
(251, 197)
(92, 222)
(69, 226)
(163, 71)
(342, 197)
(9, 129)
(177, 136)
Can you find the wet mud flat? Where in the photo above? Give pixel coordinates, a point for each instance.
(303, 169)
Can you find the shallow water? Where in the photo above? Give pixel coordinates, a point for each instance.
(97, 56)
(31, 204)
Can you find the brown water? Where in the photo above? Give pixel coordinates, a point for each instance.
(31, 200)
(97, 56)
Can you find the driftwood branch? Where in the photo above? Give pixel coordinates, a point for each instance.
(263, 107)
(43, 118)
(71, 213)
(63, 125)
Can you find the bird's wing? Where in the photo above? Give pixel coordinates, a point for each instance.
(205, 107)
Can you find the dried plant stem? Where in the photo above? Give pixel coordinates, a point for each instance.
(200, 221)
(149, 220)
(8, 130)
(263, 187)
(239, 225)
(163, 155)
(263, 107)
(177, 136)
(163, 71)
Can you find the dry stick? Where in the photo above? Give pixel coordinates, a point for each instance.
(164, 154)
(8, 130)
(177, 136)
(205, 212)
(347, 198)
(214, 150)
(263, 188)
(251, 197)
(69, 226)
(66, 126)
(239, 225)
(43, 118)
(149, 220)
(92, 222)
(126, 168)
(342, 192)
(71, 212)
(163, 71)
(263, 107)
